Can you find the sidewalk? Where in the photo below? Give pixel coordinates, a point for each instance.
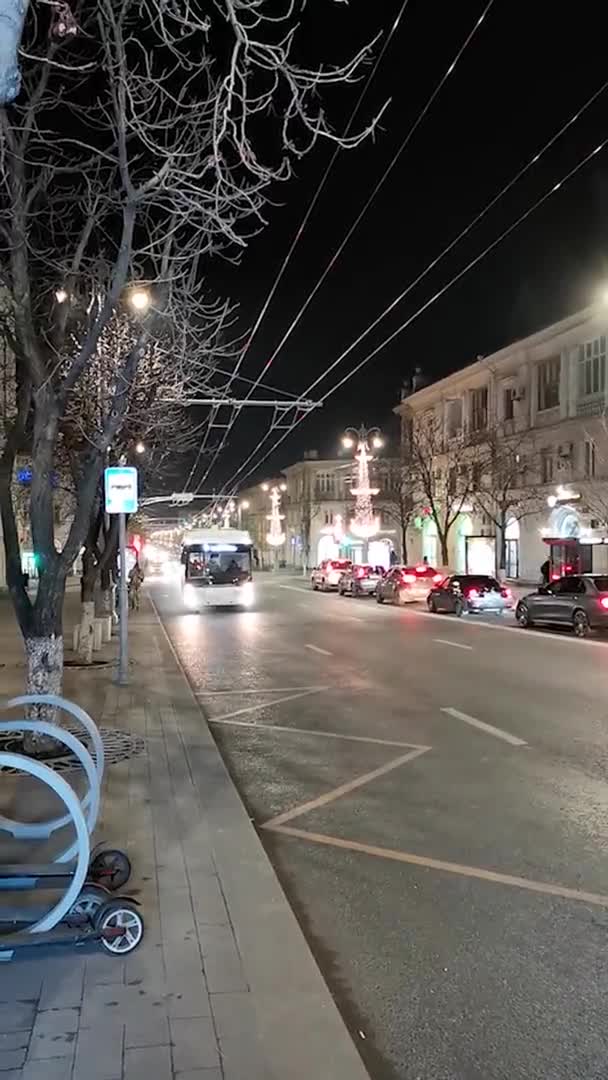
(224, 985)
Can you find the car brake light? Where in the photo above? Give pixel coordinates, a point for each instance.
(554, 577)
(472, 592)
(436, 578)
(360, 572)
(506, 593)
(408, 578)
(604, 601)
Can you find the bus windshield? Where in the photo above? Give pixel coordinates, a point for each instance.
(218, 565)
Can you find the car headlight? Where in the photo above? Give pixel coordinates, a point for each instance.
(248, 593)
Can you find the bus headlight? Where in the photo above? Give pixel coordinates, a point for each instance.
(189, 595)
(248, 594)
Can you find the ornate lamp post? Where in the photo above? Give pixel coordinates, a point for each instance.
(364, 524)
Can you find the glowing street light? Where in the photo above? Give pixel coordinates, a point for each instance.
(364, 523)
(139, 300)
(275, 536)
(61, 296)
(140, 448)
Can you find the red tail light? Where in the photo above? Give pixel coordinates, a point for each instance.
(506, 593)
(472, 592)
(604, 601)
(436, 578)
(408, 578)
(360, 572)
(554, 577)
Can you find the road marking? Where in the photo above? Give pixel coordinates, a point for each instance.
(261, 690)
(296, 588)
(344, 789)
(488, 728)
(545, 887)
(268, 704)
(455, 644)
(473, 623)
(315, 648)
(321, 734)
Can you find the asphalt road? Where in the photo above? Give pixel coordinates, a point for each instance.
(432, 793)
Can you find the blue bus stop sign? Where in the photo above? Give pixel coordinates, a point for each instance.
(120, 487)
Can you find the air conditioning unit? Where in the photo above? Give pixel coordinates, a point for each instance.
(519, 393)
(565, 449)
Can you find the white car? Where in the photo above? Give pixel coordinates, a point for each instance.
(328, 573)
(407, 584)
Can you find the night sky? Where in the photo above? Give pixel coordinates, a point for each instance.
(527, 70)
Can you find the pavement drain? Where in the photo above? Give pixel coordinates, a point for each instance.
(118, 745)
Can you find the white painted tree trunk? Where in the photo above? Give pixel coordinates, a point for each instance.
(87, 632)
(44, 658)
(105, 604)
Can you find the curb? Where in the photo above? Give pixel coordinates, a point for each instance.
(295, 1029)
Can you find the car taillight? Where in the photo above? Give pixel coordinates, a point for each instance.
(604, 601)
(506, 593)
(472, 592)
(436, 578)
(408, 579)
(360, 572)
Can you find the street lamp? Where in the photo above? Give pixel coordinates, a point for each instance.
(61, 296)
(363, 524)
(140, 448)
(139, 299)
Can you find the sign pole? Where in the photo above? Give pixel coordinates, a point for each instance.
(120, 489)
(123, 605)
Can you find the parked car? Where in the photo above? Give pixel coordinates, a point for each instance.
(579, 602)
(460, 593)
(328, 573)
(360, 580)
(406, 584)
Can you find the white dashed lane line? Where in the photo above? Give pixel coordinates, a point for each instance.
(454, 644)
(315, 648)
(489, 729)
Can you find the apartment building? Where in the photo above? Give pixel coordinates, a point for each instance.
(317, 506)
(548, 394)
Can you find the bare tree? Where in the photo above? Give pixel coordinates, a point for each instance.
(505, 484)
(144, 142)
(398, 497)
(442, 473)
(308, 510)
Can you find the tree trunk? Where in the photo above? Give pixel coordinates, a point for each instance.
(403, 543)
(43, 641)
(502, 548)
(105, 606)
(445, 557)
(87, 611)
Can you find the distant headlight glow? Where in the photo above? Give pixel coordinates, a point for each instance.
(248, 593)
(189, 595)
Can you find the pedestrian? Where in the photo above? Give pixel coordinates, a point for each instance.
(135, 579)
(545, 570)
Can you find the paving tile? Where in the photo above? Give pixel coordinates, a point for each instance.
(17, 1015)
(194, 1044)
(45, 1046)
(223, 968)
(198, 1074)
(146, 1030)
(58, 1069)
(99, 1053)
(62, 987)
(14, 1040)
(153, 1062)
(56, 1021)
(11, 1059)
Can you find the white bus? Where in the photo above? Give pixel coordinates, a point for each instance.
(217, 568)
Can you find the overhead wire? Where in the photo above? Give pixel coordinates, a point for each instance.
(300, 232)
(436, 296)
(350, 232)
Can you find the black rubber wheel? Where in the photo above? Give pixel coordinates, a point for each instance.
(432, 604)
(580, 623)
(522, 615)
(379, 599)
(123, 920)
(111, 868)
(459, 609)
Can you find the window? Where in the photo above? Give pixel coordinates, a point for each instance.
(507, 408)
(547, 466)
(592, 368)
(548, 383)
(325, 483)
(329, 517)
(589, 460)
(479, 409)
(569, 586)
(476, 475)
(454, 418)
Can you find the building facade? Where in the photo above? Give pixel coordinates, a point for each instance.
(317, 506)
(548, 395)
